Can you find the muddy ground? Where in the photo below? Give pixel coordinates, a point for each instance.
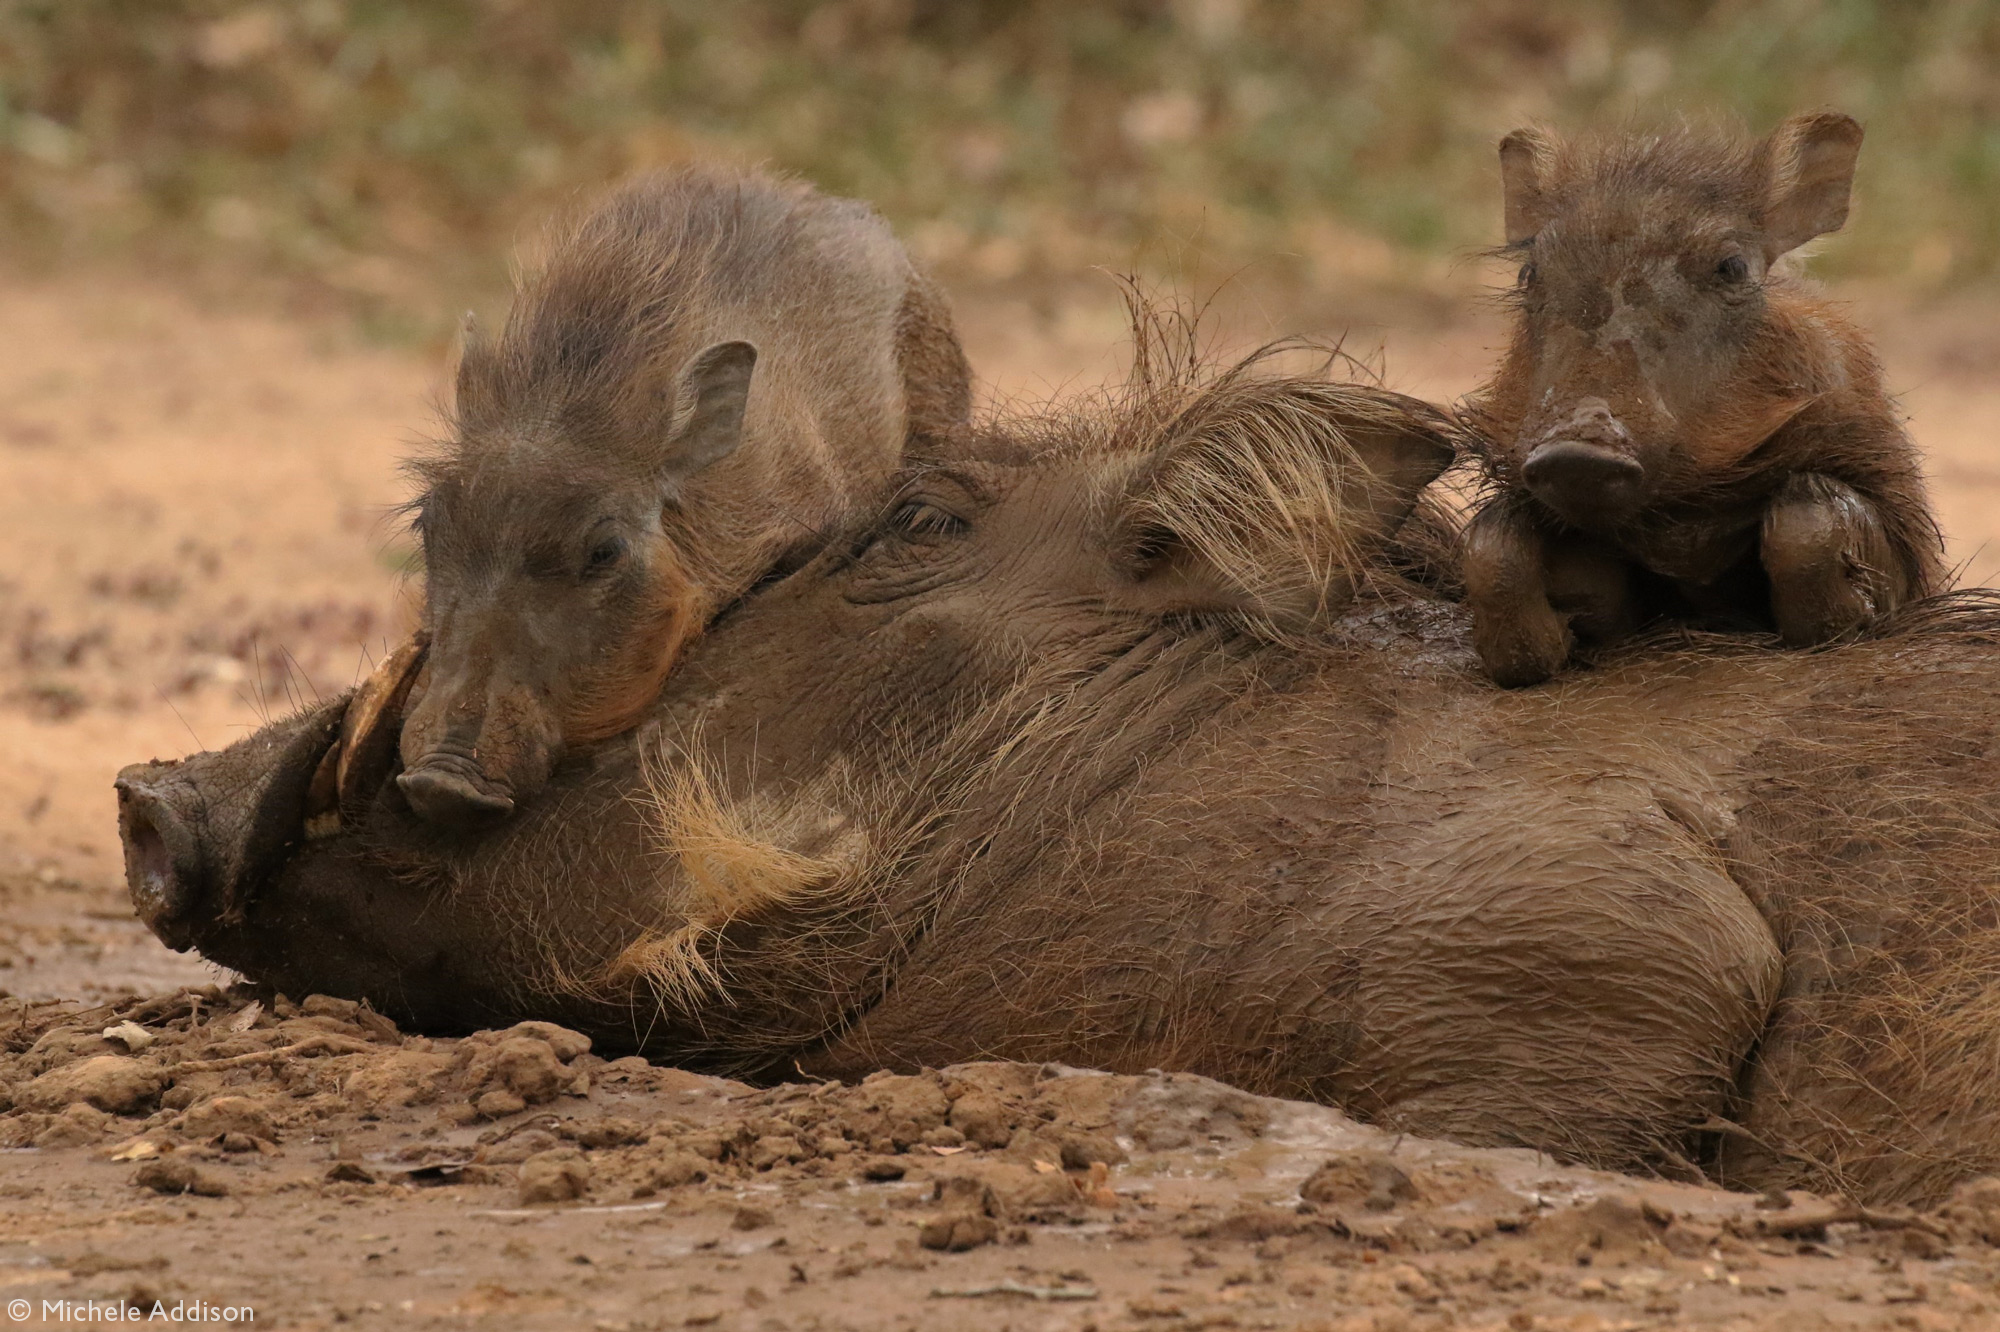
(213, 1151)
(194, 534)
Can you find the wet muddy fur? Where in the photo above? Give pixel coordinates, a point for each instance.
(1037, 765)
(1682, 427)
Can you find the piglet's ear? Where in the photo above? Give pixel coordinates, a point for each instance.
(1271, 500)
(1524, 172)
(1809, 174)
(709, 403)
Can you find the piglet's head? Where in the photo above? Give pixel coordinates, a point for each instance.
(1655, 347)
(557, 594)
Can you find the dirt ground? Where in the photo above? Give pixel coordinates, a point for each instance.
(196, 532)
(205, 1151)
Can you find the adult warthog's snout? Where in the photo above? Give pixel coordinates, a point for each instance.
(1583, 467)
(157, 807)
(203, 835)
(472, 748)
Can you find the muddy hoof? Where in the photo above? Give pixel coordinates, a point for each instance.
(441, 796)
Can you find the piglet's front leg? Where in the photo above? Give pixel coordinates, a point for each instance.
(1831, 566)
(1538, 589)
(1521, 639)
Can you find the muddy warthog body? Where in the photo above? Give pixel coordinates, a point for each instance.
(1682, 427)
(1022, 769)
(709, 369)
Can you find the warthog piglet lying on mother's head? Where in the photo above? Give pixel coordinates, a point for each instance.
(711, 368)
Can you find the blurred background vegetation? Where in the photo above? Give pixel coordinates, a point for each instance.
(390, 155)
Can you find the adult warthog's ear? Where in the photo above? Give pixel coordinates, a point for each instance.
(1808, 167)
(472, 370)
(1271, 500)
(1524, 169)
(709, 403)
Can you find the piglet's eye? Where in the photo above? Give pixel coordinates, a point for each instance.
(605, 556)
(1732, 269)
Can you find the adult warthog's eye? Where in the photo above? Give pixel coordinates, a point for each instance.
(1733, 269)
(1149, 548)
(1526, 276)
(916, 518)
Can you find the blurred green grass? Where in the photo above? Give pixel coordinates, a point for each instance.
(394, 153)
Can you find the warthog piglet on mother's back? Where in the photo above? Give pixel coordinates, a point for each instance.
(1682, 427)
(709, 370)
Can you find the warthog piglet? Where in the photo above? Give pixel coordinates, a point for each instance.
(709, 371)
(1683, 427)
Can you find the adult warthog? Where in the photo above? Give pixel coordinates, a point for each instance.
(1127, 748)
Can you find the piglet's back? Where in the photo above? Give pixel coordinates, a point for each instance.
(674, 262)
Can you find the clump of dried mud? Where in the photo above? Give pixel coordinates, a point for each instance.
(340, 1170)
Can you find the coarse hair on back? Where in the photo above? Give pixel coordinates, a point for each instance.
(1879, 870)
(1250, 465)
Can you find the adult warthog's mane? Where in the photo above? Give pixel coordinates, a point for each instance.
(1247, 464)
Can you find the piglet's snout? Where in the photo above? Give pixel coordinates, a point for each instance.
(452, 791)
(1583, 467)
(471, 752)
